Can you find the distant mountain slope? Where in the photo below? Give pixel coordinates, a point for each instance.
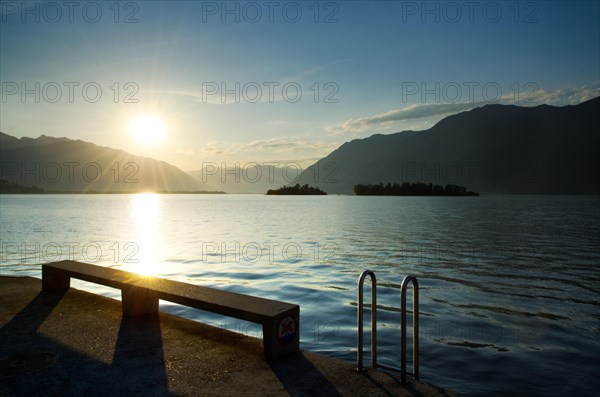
(491, 149)
(62, 164)
(241, 177)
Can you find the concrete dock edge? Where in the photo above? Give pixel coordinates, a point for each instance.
(90, 349)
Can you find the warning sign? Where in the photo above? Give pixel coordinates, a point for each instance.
(286, 331)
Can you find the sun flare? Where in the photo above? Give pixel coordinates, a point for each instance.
(148, 130)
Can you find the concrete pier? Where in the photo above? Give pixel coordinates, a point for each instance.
(77, 343)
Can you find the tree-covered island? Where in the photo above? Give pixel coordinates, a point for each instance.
(296, 190)
(411, 189)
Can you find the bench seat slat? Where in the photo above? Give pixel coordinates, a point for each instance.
(244, 307)
(140, 295)
(241, 306)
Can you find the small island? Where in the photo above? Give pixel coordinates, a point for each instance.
(411, 189)
(296, 190)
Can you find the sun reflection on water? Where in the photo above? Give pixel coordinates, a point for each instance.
(145, 214)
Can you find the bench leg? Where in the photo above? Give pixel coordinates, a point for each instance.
(54, 280)
(138, 301)
(281, 335)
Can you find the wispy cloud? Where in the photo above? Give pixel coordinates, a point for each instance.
(280, 122)
(558, 97)
(313, 71)
(195, 96)
(282, 147)
(385, 120)
(211, 94)
(425, 114)
(222, 92)
(185, 152)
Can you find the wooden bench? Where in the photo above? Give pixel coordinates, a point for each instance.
(140, 295)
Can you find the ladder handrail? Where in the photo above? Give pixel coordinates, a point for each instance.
(360, 319)
(403, 289)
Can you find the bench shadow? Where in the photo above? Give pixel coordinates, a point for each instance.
(29, 319)
(20, 335)
(139, 351)
(301, 378)
(137, 367)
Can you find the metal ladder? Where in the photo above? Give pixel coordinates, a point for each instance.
(403, 289)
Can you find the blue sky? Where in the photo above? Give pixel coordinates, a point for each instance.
(361, 68)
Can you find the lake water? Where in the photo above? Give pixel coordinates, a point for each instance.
(509, 285)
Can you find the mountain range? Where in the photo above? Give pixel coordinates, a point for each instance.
(493, 149)
(62, 164)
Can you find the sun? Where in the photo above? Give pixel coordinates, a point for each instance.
(147, 129)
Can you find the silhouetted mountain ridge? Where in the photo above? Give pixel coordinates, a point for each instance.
(62, 164)
(491, 149)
